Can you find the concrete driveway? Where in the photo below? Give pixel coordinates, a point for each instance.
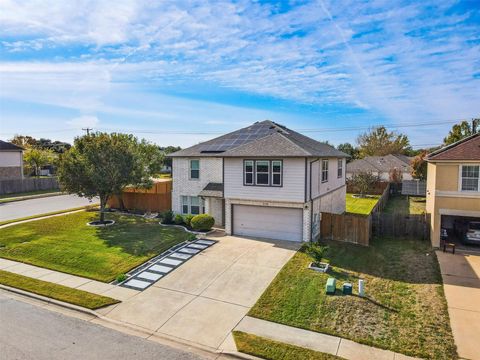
(24, 208)
(204, 299)
(461, 278)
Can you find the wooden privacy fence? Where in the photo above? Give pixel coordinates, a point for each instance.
(382, 202)
(156, 199)
(346, 227)
(408, 226)
(27, 184)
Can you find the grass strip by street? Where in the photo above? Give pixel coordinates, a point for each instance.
(274, 350)
(28, 195)
(67, 244)
(39, 216)
(58, 292)
(362, 206)
(404, 309)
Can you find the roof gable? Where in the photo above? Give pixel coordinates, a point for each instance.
(465, 149)
(7, 146)
(264, 138)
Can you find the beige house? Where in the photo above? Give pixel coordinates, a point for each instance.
(453, 188)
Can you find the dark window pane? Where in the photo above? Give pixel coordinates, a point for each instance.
(195, 164)
(195, 210)
(249, 168)
(262, 168)
(262, 179)
(276, 166)
(195, 174)
(185, 209)
(249, 178)
(276, 179)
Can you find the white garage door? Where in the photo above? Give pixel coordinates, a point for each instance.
(268, 222)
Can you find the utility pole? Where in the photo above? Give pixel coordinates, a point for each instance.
(87, 130)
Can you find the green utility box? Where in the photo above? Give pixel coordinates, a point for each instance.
(330, 286)
(347, 289)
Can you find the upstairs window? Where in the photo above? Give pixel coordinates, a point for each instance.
(262, 172)
(324, 170)
(470, 178)
(248, 172)
(194, 169)
(340, 168)
(276, 173)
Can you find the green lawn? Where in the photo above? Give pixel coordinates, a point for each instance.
(404, 311)
(362, 206)
(274, 350)
(405, 205)
(55, 291)
(67, 244)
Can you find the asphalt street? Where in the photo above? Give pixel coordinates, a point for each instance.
(24, 208)
(29, 332)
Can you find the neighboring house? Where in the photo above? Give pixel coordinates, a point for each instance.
(381, 166)
(453, 187)
(11, 161)
(262, 181)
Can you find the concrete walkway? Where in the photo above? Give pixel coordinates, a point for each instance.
(316, 341)
(461, 283)
(77, 282)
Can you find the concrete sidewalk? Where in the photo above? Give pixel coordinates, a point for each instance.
(73, 281)
(316, 341)
(461, 283)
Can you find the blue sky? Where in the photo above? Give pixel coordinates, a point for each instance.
(178, 72)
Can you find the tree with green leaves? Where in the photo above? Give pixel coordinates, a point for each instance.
(102, 165)
(363, 182)
(36, 158)
(350, 150)
(459, 132)
(419, 166)
(379, 142)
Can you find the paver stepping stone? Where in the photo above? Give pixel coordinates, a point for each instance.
(160, 269)
(205, 242)
(137, 284)
(180, 256)
(149, 276)
(197, 246)
(189, 250)
(170, 262)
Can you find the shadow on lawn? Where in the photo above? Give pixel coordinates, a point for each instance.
(140, 237)
(405, 260)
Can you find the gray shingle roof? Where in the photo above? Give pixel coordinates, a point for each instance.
(380, 163)
(6, 146)
(261, 139)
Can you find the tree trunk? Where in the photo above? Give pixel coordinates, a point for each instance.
(103, 203)
(120, 201)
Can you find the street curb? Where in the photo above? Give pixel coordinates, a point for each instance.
(197, 348)
(32, 197)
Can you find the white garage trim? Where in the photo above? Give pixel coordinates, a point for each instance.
(280, 223)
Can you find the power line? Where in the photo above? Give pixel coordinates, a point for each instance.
(87, 129)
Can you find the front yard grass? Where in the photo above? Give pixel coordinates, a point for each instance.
(65, 243)
(58, 292)
(274, 350)
(405, 205)
(404, 311)
(362, 206)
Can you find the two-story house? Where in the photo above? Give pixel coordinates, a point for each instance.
(453, 187)
(264, 180)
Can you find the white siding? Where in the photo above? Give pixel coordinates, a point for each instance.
(210, 171)
(334, 182)
(293, 188)
(11, 158)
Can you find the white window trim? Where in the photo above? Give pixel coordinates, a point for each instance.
(190, 169)
(245, 172)
(339, 162)
(277, 173)
(460, 168)
(322, 170)
(257, 172)
(189, 204)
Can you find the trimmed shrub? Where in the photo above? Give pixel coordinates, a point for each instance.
(121, 277)
(167, 217)
(187, 219)
(202, 222)
(178, 219)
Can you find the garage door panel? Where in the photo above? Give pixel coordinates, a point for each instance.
(268, 222)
